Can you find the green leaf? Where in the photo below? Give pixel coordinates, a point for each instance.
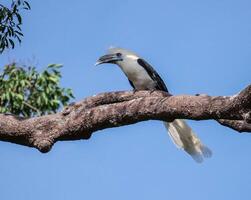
(55, 65)
(12, 43)
(20, 97)
(27, 5)
(19, 33)
(19, 18)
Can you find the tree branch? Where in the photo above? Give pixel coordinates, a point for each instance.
(80, 120)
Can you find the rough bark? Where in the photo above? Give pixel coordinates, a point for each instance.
(80, 120)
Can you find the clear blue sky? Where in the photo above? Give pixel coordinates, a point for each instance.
(196, 46)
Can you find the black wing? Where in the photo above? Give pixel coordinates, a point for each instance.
(153, 74)
(131, 84)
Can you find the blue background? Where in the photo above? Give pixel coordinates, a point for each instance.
(196, 46)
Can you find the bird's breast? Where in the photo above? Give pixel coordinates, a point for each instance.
(138, 76)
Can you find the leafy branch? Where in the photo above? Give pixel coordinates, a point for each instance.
(26, 92)
(10, 23)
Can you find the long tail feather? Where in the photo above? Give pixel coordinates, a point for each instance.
(184, 138)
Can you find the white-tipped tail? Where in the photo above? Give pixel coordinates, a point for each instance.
(184, 138)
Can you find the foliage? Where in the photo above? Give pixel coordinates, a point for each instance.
(23, 90)
(10, 24)
(26, 92)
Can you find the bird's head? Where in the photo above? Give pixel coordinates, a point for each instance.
(117, 56)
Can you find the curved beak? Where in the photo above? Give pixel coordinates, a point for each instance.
(109, 58)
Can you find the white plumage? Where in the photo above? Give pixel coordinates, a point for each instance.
(184, 138)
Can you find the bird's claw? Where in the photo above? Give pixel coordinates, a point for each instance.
(135, 90)
(152, 90)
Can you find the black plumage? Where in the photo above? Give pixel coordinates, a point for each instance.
(131, 84)
(160, 85)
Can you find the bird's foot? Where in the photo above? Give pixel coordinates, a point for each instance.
(135, 90)
(152, 90)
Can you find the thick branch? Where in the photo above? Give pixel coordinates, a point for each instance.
(238, 125)
(80, 120)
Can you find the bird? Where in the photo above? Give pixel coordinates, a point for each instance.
(142, 76)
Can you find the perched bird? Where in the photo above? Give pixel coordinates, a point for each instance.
(142, 76)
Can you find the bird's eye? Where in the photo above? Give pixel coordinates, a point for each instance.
(118, 54)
